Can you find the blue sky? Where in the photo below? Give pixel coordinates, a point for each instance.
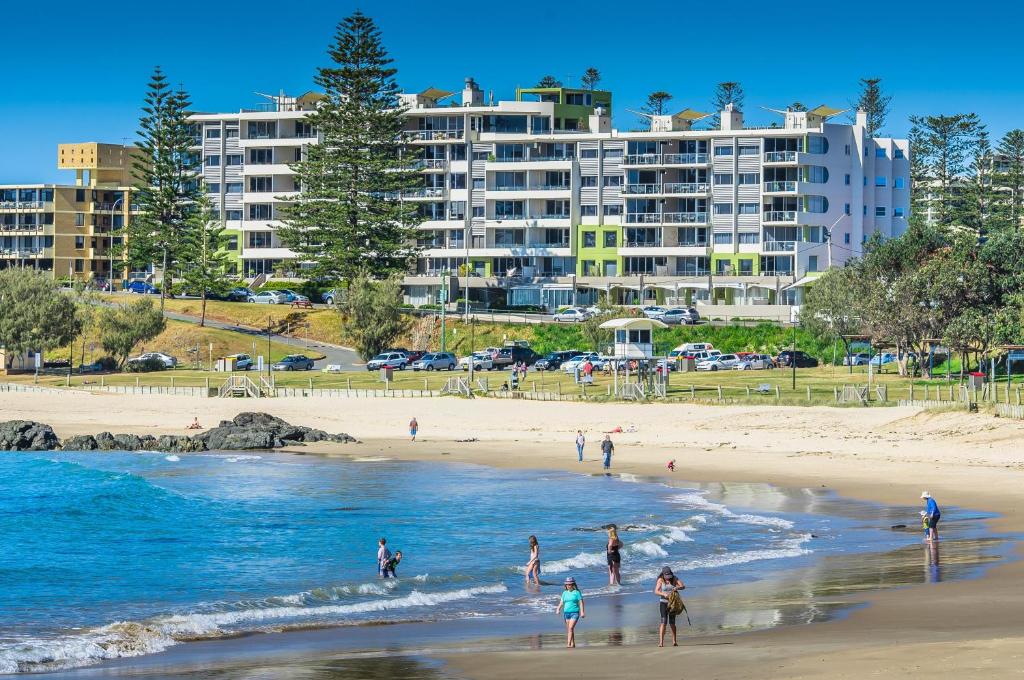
(77, 71)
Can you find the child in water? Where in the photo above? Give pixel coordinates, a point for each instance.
(389, 568)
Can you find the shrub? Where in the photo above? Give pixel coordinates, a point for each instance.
(145, 366)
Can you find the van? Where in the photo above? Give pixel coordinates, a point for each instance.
(690, 348)
(703, 355)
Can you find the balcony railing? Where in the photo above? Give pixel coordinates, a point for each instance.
(549, 244)
(428, 164)
(640, 188)
(550, 216)
(779, 216)
(643, 244)
(532, 187)
(777, 187)
(779, 246)
(779, 156)
(305, 135)
(423, 192)
(555, 157)
(642, 159)
(22, 205)
(692, 244)
(22, 227)
(437, 135)
(686, 218)
(643, 218)
(685, 188)
(692, 272)
(22, 252)
(685, 159)
(776, 272)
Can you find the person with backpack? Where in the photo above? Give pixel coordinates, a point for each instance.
(670, 604)
(570, 604)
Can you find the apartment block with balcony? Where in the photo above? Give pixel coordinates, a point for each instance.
(67, 230)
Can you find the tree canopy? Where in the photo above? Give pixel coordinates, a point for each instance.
(34, 314)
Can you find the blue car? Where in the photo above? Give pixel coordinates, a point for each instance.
(141, 287)
(882, 359)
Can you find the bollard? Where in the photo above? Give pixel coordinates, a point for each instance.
(103, 382)
(748, 390)
(310, 383)
(424, 383)
(835, 394)
(910, 391)
(608, 392)
(693, 392)
(777, 395)
(559, 389)
(719, 393)
(808, 393)
(136, 382)
(172, 382)
(349, 385)
(207, 385)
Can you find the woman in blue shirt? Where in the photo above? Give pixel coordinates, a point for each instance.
(931, 511)
(572, 608)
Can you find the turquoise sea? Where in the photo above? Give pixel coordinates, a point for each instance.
(127, 554)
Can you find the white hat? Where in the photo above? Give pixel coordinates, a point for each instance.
(925, 494)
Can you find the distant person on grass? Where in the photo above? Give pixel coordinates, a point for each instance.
(607, 447)
(581, 441)
(932, 514)
(570, 604)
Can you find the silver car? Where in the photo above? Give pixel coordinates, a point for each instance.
(436, 361)
(269, 297)
(572, 314)
(722, 362)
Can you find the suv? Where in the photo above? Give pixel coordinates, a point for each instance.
(514, 354)
(679, 315)
(389, 360)
(243, 362)
(554, 360)
(240, 294)
(330, 297)
(803, 359)
(436, 361)
(141, 287)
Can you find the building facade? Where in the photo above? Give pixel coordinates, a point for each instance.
(539, 201)
(68, 230)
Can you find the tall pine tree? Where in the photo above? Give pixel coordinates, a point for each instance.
(874, 102)
(1009, 177)
(728, 92)
(349, 215)
(204, 259)
(166, 181)
(943, 147)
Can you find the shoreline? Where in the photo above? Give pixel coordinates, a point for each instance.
(971, 628)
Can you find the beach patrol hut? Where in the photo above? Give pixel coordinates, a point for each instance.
(633, 341)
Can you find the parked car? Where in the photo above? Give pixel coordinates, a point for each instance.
(243, 362)
(141, 287)
(293, 296)
(436, 361)
(688, 349)
(653, 311)
(552, 361)
(294, 362)
(577, 361)
(330, 296)
(269, 297)
(754, 362)
(166, 359)
(719, 362)
(239, 294)
(482, 361)
(859, 359)
(679, 315)
(576, 314)
(704, 354)
(414, 354)
(511, 354)
(388, 359)
(803, 360)
(883, 358)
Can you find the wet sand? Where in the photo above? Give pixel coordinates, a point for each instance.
(963, 629)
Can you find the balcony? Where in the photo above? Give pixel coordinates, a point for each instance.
(428, 164)
(642, 159)
(779, 216)
(685, 188)
(22, 252)
(643, 218)
(783, 187)
(640, 189)
(22, 205)
(532, 187)
(424, 192)
(655, 243)
(693, 271)
(685, 218)
(780, 157)
(685, 159)
(692, 244)
(23, 227)
(779, 246)
(437, 135)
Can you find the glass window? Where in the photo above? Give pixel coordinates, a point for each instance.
(590, 238)
(261, 156)
(816, 204)
(880, 181)
(750, 238)
(233, 159)
(723, 178)
(846, 238)
(749, 178)
(749, 208)
(898, 182)
(817, 174)
(231, 133)
(749, 150)
(846, 179)
(880, 211)
(880, 152)
(79, 195)
(508, 209)
(588, 153)
(613, 153)
(897, 212)
(479, 182)
(897, 153)
(588, 181)
(846, 209)
(541, 125)
(723, 150)
(213, 132)
(613, 180)
(588, 210)
(812, 263)
(723, 208)
(847, 149)
(79, 219)
(213, 161)
(262, 129)
(260, 211)
(79, 242)
(612, 210)
(478, 211)
(817, 144)
(232, 215)
(458, 180)
(233, 187)
(213, 188)
(261, 184)
(723, 239)
(610, 238)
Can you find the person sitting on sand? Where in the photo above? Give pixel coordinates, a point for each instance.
(933, 515)
(195, 424)
(672, 465)
(389, 568)
(666, 585)
(570, 604)
(533, 566)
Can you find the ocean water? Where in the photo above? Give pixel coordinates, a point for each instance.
(124, 554)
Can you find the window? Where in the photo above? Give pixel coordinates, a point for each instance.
(458, 153)
(79, 195)
(613, 153)
(723, 208)
(817, 174)
(749, 238)
(213, 188)
(261, 156)
(880, 152)
(812, 263)
(723, 239)
(232, 242)
(847, 149)
(79, 219)
(458, 180)
(612, 210)
(261, 184)
(79, 266)
(233, 187)
(79, 242)
(846, 179)
(588, 181)
(749, 150)
(213, 132)
(508, 210)
(233, 159)
(260, 211)
(480, 155)
(723, 150)
(880, 211)
(865, 211)
(746, 264)
(897, 212)
(723, 178)
(610, 238)
(231, 133)
(509, 152)
(846, 208)
(846, 238)
(541, 125)
(478, 211)
(590, 238)
(613, 180)
(588, 153)
(509, 237)
(749, 178)
(232, 215)
(817, 144)
(816, 204)
(262, 129)
(880, 181)
(897, 153)
(749, 208)
(588, 210)
(898, 182)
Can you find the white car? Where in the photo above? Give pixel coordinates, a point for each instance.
(577, 361)
(269, 297)
(166, 359)
(653, 311)
(572, 314)
(482, 361)
(718, 363)
(754, 362)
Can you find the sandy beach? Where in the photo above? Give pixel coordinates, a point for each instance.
(963, 629)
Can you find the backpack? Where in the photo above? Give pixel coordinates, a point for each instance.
(675, 603)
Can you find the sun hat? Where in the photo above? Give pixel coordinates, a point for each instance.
(570, 581)
(666, 572)
(925, 494)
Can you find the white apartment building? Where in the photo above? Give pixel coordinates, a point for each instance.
(539, 201)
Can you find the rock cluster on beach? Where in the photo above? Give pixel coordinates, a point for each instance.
(245, 432)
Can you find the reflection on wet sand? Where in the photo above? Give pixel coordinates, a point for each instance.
(366, 668)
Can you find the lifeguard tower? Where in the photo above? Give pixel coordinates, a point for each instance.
(633, 356)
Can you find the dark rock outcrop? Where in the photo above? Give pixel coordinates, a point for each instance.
(105, 441)
(27, 435)
(253, 430)
(84, 442)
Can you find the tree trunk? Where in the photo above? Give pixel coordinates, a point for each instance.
(202, 315)
(163, 283)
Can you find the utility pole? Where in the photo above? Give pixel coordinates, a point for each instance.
(270, 328)
(792, 357)
(444, 305)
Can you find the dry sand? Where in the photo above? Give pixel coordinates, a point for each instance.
(964, 629)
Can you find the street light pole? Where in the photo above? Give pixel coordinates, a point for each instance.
(110, 244)
(444, 306)
(792, 357)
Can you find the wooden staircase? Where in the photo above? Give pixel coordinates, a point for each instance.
(238, 386)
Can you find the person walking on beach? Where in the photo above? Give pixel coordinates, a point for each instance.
(383, 556)
(533, 566)
(580, 443)
(667, 586)
(932, 514)
(607, 447)
(413, 428)
(614, 557)
(570, 604)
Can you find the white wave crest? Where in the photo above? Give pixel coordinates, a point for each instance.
(122, 639)
(789, 548)
(172, 458)
(698, 501)
(580, 561)
(648, 548)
